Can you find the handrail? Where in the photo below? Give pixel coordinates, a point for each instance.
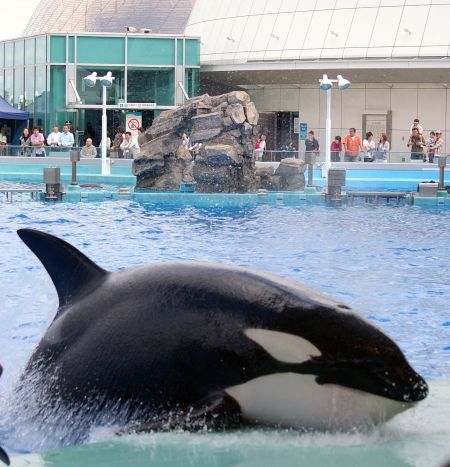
(13, 150)
(392, 157)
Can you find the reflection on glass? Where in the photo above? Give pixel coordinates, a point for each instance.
(29, 51)
(94, 95)
(40, 95)
(151, 85)
(29, 92)
(9, 83)
(19, 92)
(18, 53)
(41, 49)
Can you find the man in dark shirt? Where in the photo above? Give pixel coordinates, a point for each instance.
(417, 143)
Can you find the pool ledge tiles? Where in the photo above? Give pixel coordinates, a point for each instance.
(74, 194)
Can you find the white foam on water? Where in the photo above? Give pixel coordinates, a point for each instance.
(418, 438)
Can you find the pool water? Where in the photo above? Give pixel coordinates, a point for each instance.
(390, 263)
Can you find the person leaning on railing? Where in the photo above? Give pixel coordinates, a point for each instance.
(25, 142)
(416, 142)
(38, 142)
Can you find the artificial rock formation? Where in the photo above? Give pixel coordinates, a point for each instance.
(289, 176)
(225, 125)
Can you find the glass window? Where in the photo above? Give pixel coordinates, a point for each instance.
(151, 51)
(9, 54)
(41, 49)
(18, 53)
(71, 49)
(57, 95)
(101, 50)
(9, 83)
(94, 95)
(192, 52)
(179, 51)
(2, 55)
(192, 81)
(29, 51)
(159, 85)
(29, 90)
(57, 49)
(40, 94)
(19, 91)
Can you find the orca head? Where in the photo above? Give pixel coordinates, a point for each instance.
(330, 369)
(357, 355)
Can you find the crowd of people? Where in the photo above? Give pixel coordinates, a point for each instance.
(353, 148)
(34, 143)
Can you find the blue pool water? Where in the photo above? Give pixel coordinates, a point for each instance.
(390, 263)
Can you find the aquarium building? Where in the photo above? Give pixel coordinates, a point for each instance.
(396, 53)
(43, 75)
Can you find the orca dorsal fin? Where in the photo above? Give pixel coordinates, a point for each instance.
(70, 270)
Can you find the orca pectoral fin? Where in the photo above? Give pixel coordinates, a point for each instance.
(4, 457)
(70, 270)
(216, 412)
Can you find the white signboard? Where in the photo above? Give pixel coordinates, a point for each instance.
(133, 121)
(137, 105)
(296, 124)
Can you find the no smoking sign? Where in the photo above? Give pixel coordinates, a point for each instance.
(133, 124)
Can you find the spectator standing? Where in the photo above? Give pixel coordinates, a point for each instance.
(416, 143)
(25, 142)
(66, 139)
(369, 147)
(438, 145)
(416, 124)
(260, 147)
(37, 141)
(352, 145)
(311, 143)
(383, 148)
(119, 138)
(88, 150)
(185, 141)
(430, 147)
(129, 147)
(53, 137)
(336, 149)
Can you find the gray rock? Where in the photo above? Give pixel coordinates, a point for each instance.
(205, 135)
(224, 163)
(236, 113)
(207, 121)
(238, 97)
(291, 173)
(251, 113)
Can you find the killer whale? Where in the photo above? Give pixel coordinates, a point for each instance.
(184, 344)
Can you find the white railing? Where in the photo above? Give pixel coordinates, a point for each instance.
(11, 150)
(392, 157)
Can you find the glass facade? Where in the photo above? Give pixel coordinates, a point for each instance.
(158, 88)
(35, 74)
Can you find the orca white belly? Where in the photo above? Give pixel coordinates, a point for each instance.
(296, 400)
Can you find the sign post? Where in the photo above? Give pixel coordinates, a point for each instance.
(302, 130)
(133, 121)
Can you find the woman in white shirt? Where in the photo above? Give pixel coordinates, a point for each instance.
(368, 146)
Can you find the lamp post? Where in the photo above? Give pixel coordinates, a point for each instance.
(326, 85)
(106, 82)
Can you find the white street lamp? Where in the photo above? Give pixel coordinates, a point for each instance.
(326, 85)
(106, 82)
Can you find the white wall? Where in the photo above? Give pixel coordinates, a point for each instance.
(428, 102)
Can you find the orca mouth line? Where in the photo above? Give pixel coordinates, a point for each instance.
(369, 377)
